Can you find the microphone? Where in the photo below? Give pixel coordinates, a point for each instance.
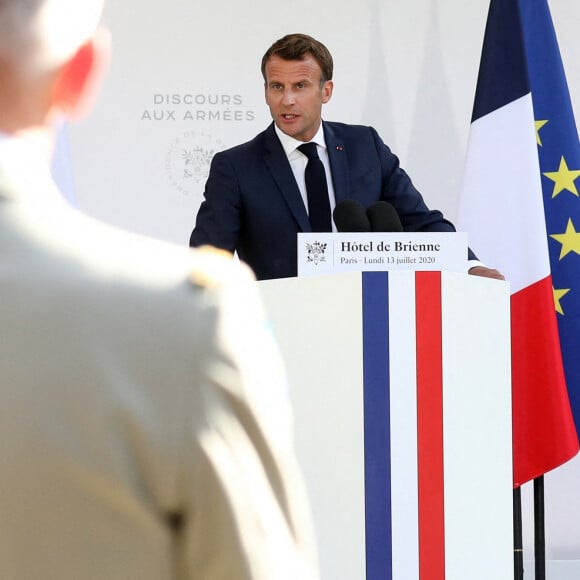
(383, 217)
(350, 216)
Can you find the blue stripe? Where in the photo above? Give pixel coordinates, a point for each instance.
(503, 74)
(379, 555)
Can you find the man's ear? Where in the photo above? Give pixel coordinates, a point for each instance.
(327, 91)
(79, 78)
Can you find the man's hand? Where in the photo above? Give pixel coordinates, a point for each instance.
(486, 272)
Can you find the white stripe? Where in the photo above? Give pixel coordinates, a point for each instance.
(501, 207)
(477, 428)
(403, 380)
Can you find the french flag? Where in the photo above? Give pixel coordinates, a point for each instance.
(502, 210)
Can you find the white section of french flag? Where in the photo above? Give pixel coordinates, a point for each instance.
(501, 206)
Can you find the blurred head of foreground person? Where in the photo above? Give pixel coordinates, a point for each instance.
(144, 420)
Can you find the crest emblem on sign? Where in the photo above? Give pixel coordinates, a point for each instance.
(316, 252)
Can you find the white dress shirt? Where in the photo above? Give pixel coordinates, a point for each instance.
(298, 162)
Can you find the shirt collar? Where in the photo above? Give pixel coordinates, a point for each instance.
(290, 144)
(23, 147)
(17, 156)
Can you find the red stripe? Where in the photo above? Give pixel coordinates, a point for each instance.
(430, 426)
(543, 427)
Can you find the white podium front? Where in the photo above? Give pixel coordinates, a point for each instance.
(401, 389)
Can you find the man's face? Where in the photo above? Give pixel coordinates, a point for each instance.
(294, 95)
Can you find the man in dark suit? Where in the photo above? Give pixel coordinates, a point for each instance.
(256, 196)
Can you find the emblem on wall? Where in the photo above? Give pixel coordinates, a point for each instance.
(188, 159)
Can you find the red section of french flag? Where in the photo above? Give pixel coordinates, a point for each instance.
(538, 376)
(430, 427)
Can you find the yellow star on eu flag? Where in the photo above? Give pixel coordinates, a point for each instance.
(570, 240)
(558, 295)
(563, 179)
(539, 125)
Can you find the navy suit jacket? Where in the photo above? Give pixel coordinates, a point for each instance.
(253, 204)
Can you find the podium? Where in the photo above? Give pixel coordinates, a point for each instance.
(401, 388)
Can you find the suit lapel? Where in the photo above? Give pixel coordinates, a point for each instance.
(338, 157)
(277, 163)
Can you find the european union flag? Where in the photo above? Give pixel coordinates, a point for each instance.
(559, 155)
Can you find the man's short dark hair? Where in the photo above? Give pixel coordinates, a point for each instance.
(298, 47)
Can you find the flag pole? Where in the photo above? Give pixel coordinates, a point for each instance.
(518, 541)
(539, 529)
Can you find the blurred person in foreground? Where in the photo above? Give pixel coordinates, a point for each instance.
(144, 421)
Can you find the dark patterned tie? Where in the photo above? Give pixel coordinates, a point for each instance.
(316, 190)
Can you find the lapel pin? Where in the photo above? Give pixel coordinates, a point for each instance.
(339, 147)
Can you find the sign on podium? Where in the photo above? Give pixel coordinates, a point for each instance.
(326, 253)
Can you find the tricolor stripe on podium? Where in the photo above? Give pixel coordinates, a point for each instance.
(414, 488)
(400, 383)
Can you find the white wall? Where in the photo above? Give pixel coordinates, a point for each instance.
(408, 68)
